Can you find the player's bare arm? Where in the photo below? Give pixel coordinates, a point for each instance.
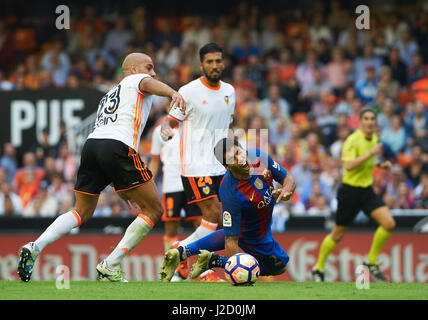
(135, 63)
(286, 191)
(231, 245)
(354, 163)
(153, 86)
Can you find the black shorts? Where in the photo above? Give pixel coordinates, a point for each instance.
(350, 200)
(107, 160)
(173, 202)
(201, 188)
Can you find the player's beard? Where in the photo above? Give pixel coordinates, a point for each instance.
(211, 78)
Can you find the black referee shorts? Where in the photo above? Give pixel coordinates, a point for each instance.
(107, 160)
(350, 200)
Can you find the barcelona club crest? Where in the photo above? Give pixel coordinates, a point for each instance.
(226, 99)
(258, 183)
(206, 189)
(266, 174)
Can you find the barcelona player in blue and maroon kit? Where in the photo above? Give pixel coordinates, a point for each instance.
(248, 197)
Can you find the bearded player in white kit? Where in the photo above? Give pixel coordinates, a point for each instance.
(210, 105)
(110, 155)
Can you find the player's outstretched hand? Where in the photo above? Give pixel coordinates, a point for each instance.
(282, 194)
(178, 100)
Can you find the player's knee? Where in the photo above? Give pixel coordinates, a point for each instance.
(84, 213)
(337, 235)
(154, 212)
(159, 207)
(389, 225)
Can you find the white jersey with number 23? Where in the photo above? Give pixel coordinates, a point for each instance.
(122, 113)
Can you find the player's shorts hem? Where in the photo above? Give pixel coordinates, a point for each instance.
(133, 187)
(202, 199)
(87, 193)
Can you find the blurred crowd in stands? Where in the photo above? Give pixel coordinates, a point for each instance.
(302, 74)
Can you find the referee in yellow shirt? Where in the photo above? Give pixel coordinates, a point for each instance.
(356, 193)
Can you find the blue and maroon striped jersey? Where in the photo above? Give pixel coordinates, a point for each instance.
(248, 204)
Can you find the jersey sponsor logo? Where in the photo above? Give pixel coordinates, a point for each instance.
(204, 102)
(267, 198)
(206, 189)
(261, 204)
(226, 99)
(227, 219)
(258, 184)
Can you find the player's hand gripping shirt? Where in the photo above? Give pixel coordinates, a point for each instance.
(208, 115)
(248, 204)
(122, 113)
(169, 152)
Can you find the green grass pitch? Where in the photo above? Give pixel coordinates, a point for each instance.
(156, 290)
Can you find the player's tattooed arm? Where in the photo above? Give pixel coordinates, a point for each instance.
(231, 245)
(286, 191)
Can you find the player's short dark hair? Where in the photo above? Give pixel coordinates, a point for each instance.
(209, 48)
(222, 147)
(367, 109)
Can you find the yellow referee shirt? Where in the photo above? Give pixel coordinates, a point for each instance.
(353, 147)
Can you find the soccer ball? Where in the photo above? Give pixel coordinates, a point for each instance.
(242, 269)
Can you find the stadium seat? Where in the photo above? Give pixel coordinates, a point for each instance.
(24, 40)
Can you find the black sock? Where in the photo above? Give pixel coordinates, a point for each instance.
(216, 261)
(181, 250)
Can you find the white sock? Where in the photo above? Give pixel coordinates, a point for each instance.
(60, 227)
(136, 232)
(204, 229)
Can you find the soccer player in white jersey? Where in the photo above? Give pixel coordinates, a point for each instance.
(110, 155)
(210, 105)
(173, 196)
